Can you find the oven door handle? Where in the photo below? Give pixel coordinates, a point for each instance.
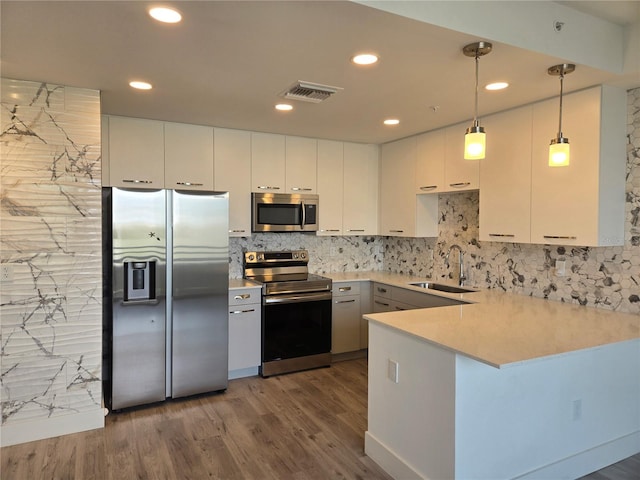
(303, 297)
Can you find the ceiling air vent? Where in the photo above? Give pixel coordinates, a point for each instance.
(309, 92)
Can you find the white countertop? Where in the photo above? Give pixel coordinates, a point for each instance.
(236, 283)
(502, 329)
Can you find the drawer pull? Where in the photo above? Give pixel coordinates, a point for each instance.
(234, 312)
(330, 230)
(382, 290)
(190, 184)
(126, 180)
(460, 184)
(356, 230)
(400, 308)
(237, 231)
(345, 301)
(243, 296)
(381, 303)
(396, 231)
(266, 187)
(429, 187)
(560, 237)
(507, 235)
(344, 289)
(301, 189)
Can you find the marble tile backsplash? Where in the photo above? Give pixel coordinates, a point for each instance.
(326, 254)
(51, 306)
(606, 277)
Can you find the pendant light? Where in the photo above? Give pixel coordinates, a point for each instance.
(559, 147)
(475, 138)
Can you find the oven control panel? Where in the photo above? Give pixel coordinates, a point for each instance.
(278, 258)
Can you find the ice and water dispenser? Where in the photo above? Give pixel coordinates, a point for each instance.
(139, 281)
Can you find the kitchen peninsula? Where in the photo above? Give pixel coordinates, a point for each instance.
(505, 387)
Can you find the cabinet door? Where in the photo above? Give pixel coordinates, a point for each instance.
(232, 167)
(136, 153)
(267, 162)
(330, 186)
(430, 162)
(301, 164)
(460, 174)
(564, 200)
(345, 333)
(381, 304)
(360, 216)
(188, 156)
(505, 178)
(244, 336)
(397, 194)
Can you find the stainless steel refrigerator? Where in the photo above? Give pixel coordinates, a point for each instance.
(166, 294)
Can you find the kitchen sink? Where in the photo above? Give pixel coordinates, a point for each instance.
(442, 288)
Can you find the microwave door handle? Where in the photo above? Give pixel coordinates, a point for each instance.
(302, 215)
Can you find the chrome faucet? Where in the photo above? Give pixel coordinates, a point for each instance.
(462, 277)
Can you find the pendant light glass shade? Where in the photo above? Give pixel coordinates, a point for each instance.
(559, 150)
(475, 142)
(475, 139)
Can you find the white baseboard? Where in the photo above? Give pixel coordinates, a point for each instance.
(578, 465)
(388, 460)
(588, 461)
(28, 431)
(243, 372)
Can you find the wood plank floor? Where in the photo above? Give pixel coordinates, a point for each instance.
(307, 425)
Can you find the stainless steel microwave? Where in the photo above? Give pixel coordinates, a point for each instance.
(283, 212)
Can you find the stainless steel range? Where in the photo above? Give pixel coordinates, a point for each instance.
(296, 311)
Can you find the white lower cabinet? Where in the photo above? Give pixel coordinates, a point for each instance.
(245, 328)
(345, 317)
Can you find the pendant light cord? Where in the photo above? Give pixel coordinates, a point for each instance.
(561, 91)
(475, 112)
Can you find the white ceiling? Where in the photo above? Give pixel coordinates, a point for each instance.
(226, 63)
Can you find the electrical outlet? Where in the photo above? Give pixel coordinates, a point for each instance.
(560, 268)
(576, 410)
(6, 273)
(392, 370)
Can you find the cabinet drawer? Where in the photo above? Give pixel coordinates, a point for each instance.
(422, 300)
(242, 296)
(382, 290)
(345, 288)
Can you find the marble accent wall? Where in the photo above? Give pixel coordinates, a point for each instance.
(326, 254)
(605, 277)
(51, 293)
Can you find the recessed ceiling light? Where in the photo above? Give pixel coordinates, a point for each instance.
(165, 15)
(365, 59)
(391, 121)
(285, 107)
(497, 86)
(140, 85)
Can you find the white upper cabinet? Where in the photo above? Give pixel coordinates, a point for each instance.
(330, 186)
(188, 156)
(361, 167)
(584, 203)
(136, 153)
(430, 166)
(402, 212)
(267, 163)
(505, 178)
(300, 164)
(459, 174)
(151, 154)
(232, 168)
